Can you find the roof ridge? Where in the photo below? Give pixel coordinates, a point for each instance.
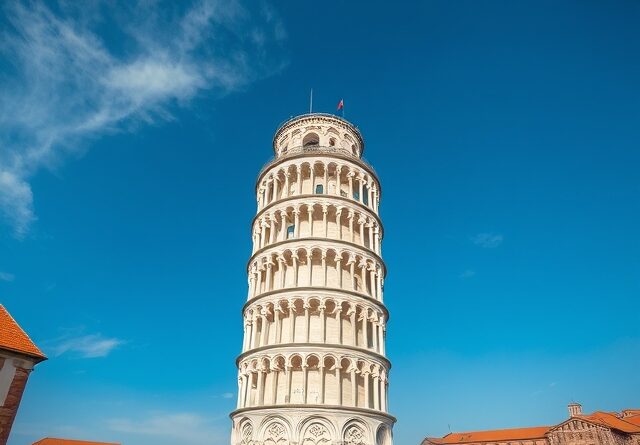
(500, 429)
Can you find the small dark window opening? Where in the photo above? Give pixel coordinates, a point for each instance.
(310, 140)
(290, 231)
(365, 195)
(319, 189)
(356, 196)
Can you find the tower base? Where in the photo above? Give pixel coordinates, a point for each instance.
(309, 425)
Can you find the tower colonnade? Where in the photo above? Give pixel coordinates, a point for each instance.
(309, 216)
(314, 175)
(316, 264)
(313, 367)
(313, 318)
(336, 379)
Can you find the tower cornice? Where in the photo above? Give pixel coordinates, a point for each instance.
(316, 409)
(331, 293)
(324, 347)
(318, 242)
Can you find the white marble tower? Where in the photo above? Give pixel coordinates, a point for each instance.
(313, 369)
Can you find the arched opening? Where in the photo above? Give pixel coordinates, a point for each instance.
(310, 140)
(384, 436)
(332, 142)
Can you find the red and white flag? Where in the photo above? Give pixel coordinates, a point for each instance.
(340, 105)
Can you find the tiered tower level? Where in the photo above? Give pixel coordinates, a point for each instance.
(313, 368)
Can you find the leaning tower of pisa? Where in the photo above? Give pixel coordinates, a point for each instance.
(313, 368)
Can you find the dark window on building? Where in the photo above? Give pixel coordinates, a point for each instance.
(319, 189)
(356, 196)
(365, 195)
(290, 231)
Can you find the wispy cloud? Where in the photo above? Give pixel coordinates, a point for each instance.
(6, 276)
(228, 395)
(63, 82)
(186, 428)
(84, 346)
(468, 273)
(487, 240)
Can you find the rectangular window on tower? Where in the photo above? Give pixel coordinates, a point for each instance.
(356, 196)
(290, 231)
(319, 190)
(365, 195)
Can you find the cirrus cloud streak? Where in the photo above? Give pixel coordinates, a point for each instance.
(63, 81)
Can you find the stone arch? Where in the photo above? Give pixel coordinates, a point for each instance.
(312, 359)
(383, 436)
(295, 360)
(310, 139)
(317, 431)
(278, 362)
(275, 430)
(245, 430)
(355, 432)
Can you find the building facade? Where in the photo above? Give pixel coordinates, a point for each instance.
(313, 368)
(18, 356)
(598, 428)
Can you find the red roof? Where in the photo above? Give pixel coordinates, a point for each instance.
(628, 424)
(537, 432)
(611, 420)
(635, 419)
(13, 338)
(54, 441)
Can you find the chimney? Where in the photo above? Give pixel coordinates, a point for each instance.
(575, 409)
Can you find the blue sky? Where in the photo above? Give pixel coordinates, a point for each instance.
(506, 138)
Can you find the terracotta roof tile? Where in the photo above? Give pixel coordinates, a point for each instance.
(628, 424)
(492, 435)
(635, 419)
(611, 420)
(55, 441)
(13, 338)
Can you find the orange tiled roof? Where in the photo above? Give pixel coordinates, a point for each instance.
(537, 432)
(611, 420)
(54, 441)
(13, 338)
(635, 419)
